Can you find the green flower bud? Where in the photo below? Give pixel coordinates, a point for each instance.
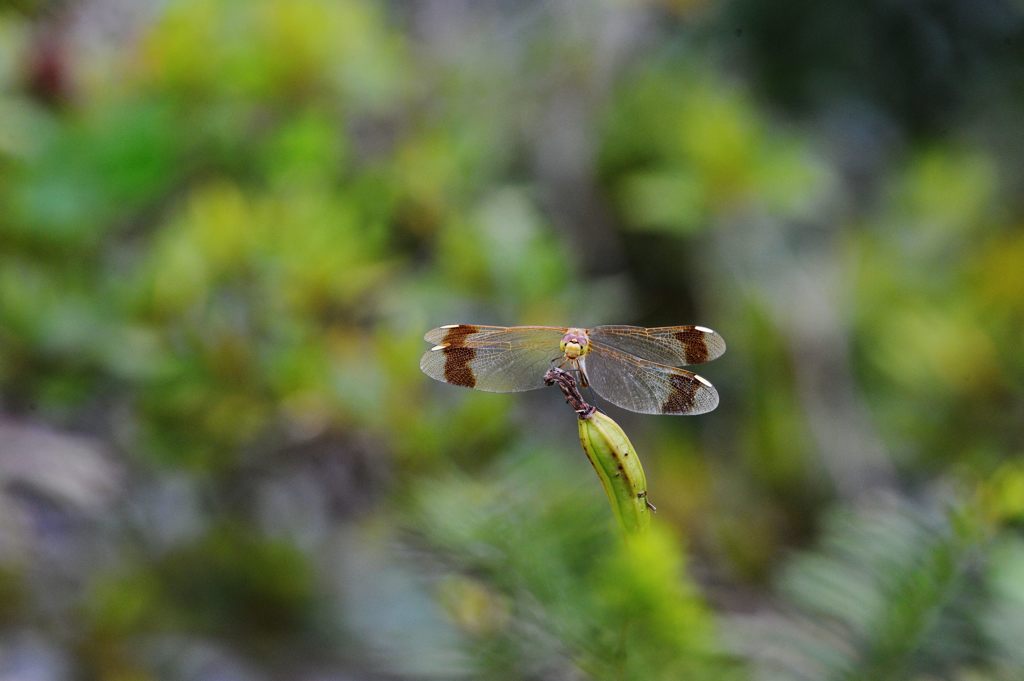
(618, 468)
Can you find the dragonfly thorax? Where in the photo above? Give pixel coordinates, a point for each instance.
(575, 343)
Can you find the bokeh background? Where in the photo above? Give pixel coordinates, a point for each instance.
(225, 226)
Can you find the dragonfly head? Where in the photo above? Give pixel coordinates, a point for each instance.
(575, 343)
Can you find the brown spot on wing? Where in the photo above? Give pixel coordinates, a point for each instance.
(457, 356)
(694, 347)
(456, 366)
(456, 336)
(681, 399)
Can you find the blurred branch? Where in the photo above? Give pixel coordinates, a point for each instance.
(802, 286)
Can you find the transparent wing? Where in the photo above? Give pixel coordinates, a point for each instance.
(646, 387)
(499, 359)
(671, 345)
(452, 332)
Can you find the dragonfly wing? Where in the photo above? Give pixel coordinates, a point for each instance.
(671, 345)
(493, 358)
(646, 387)
(454, 331)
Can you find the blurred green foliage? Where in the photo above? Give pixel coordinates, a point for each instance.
(226, 226)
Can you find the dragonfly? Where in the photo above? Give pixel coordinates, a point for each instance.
(632, 367)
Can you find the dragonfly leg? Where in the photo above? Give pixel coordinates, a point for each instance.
(575, 368)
